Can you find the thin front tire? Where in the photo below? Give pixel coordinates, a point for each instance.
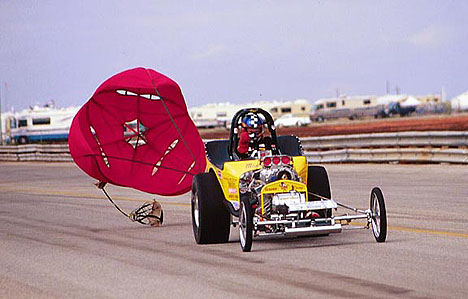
(378, 215)
(245, 225)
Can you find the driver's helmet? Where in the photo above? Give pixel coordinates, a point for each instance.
(253, 123)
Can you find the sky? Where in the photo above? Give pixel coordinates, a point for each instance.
(233, 51)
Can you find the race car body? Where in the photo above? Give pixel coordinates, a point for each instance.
(271, 192)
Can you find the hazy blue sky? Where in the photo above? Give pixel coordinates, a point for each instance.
(233, 51)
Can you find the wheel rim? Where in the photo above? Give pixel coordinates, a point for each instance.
(375, 209)
(196, 212)
(242, 226)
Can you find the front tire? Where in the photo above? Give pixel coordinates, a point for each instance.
(245, 224)
(379, 215)
(211, 220)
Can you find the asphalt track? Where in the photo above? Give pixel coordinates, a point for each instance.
(60, 238)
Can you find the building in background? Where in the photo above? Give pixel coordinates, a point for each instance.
(6, 126)
(430, 99)
(220, 114)
(460, 102)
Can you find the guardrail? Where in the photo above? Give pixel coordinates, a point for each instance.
(400, 139)
(421, 147)
(36, 152)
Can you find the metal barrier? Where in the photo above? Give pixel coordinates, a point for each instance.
(36, 152)
(419, 155)
(421, 147)
(398, 139)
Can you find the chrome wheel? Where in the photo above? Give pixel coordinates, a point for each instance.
(211, 220)
(375, 220)
(242, 226)
(196, 212)
(245, 224)
(378, 215)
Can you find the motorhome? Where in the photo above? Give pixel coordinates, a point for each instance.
(297, 108)
(345, 107)
(220, 114)
(39, 124)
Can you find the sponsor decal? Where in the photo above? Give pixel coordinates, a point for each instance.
(251, 165)
(283, 186)
(232, 190)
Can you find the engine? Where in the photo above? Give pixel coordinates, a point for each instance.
(274, 168)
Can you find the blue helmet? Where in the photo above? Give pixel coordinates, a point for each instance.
(252, 120)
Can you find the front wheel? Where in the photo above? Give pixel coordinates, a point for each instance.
(378, 215)
(245, 224)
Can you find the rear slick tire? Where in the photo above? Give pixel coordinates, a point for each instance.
(318, 183)
(211, 221)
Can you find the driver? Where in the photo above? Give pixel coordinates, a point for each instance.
(251, 137)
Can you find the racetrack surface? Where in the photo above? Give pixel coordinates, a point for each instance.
(61, 238)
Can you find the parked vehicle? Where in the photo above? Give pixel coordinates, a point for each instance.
(394, 108)
(345, 107)
(41, 124)
(350, 113)
(290, 120)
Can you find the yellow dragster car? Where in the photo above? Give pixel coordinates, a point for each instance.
(274, 192)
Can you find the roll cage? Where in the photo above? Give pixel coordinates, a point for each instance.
(236, 127)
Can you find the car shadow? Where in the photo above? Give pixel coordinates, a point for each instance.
(311, 242)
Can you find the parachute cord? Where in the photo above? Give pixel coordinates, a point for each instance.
(172, 119)
(115, 205)
(141, 214)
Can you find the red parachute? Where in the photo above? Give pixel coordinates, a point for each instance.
(135, 131)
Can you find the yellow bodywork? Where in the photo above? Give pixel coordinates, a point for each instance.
(229, 177)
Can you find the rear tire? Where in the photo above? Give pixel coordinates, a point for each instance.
(318, 183)
(211, 220)
(245, 224)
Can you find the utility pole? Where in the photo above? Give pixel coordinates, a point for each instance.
(6, 96)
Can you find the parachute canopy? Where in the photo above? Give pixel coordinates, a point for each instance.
(135, 131)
